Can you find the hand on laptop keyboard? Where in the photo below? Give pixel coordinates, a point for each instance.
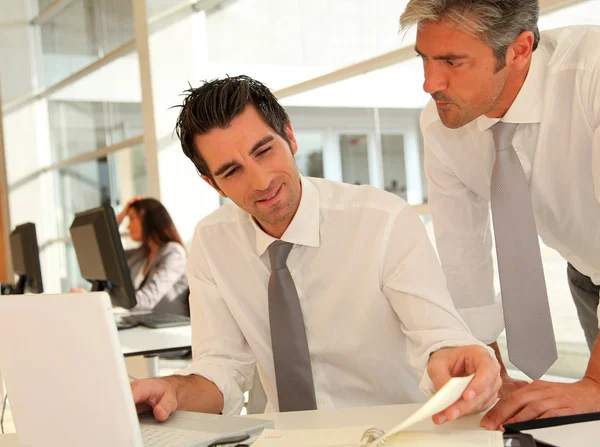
(154, 436)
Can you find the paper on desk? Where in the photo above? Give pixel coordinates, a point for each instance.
(456, 438)
(352, 436)
(441, 400)
(337, 437)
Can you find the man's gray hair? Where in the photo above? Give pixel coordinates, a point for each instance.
(497, 22)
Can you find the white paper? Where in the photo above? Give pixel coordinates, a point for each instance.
(571, 435)
(463, 438)
(336, 437)
(446, 396)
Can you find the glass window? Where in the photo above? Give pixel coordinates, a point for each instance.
(43, 4)
(309, 156)
(394, 165)
(287, 41)
(355, 159)
(77, 127)
(81, 33)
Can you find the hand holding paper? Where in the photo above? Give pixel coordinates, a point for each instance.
(372, 437)
(480, 394)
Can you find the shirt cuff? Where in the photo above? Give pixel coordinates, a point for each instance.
(486, 323)
(233, 397)
(426, 385)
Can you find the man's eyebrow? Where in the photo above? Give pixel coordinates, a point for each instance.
(260, 143)
(443, 57)
(224, 168)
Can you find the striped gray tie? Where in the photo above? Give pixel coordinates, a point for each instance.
(529, 333)
(293, 371)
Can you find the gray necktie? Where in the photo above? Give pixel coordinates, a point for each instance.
(293, 371)
(529, 333)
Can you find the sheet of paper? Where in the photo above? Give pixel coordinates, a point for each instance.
(463, 438)
(335, 437)
(441, 400)
(572, 435)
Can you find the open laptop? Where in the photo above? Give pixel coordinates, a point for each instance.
(66, 379)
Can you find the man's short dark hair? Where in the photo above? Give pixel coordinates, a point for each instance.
(216, 103)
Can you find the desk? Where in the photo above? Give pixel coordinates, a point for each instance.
(141, 340)
(147, 342)
(384, 417)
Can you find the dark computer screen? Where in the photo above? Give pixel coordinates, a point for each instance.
(100, 254)
(26, 259)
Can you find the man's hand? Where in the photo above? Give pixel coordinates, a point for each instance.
(164, 395)
(510, 385)
(545, 399)
(481, 393)
(156, 395)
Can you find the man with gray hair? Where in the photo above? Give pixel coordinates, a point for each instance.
(514, 122)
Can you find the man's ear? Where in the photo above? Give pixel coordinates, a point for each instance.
(213, 185)
(519, 52)
(290, 134)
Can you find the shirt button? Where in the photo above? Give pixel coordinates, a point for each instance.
(292, 272)
(321, 402)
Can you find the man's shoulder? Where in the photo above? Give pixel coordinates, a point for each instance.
(340, 196)
(571, 45)
(219, 218)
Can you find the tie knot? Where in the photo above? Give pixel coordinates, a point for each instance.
(503, 134)
(278, 254)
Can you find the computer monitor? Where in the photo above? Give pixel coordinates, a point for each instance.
(26, 259)
(100, 254)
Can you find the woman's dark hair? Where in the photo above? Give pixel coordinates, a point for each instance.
(157, 224)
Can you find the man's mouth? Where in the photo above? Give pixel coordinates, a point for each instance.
(270, 197)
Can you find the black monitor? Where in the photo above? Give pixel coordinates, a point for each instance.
(26, 259)
(100, 254)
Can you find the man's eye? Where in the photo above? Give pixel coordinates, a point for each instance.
(264, 151)
(230, 173)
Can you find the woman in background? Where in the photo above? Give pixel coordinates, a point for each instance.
(157, 266)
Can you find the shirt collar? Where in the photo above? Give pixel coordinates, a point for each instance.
(528, 105)
(304, 228)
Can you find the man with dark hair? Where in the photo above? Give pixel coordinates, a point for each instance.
(514, 123)
(333, 292)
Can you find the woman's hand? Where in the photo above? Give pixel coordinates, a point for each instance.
(123, 212)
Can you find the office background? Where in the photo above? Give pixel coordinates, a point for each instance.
(87, 88)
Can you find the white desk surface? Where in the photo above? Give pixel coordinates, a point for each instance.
(141, 340)
(384, 417)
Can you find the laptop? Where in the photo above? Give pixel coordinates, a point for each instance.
(67, 384)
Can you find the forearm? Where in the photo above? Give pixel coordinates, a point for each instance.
(195, 393)
(593, 369)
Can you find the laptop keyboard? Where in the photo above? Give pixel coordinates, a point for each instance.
(154, 436)
(158, 320)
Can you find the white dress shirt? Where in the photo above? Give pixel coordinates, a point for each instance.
(558, 144)
(372, 293)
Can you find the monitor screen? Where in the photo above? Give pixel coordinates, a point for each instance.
(100, 254)
(90, 265)
(18, 256)
(26, 259)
